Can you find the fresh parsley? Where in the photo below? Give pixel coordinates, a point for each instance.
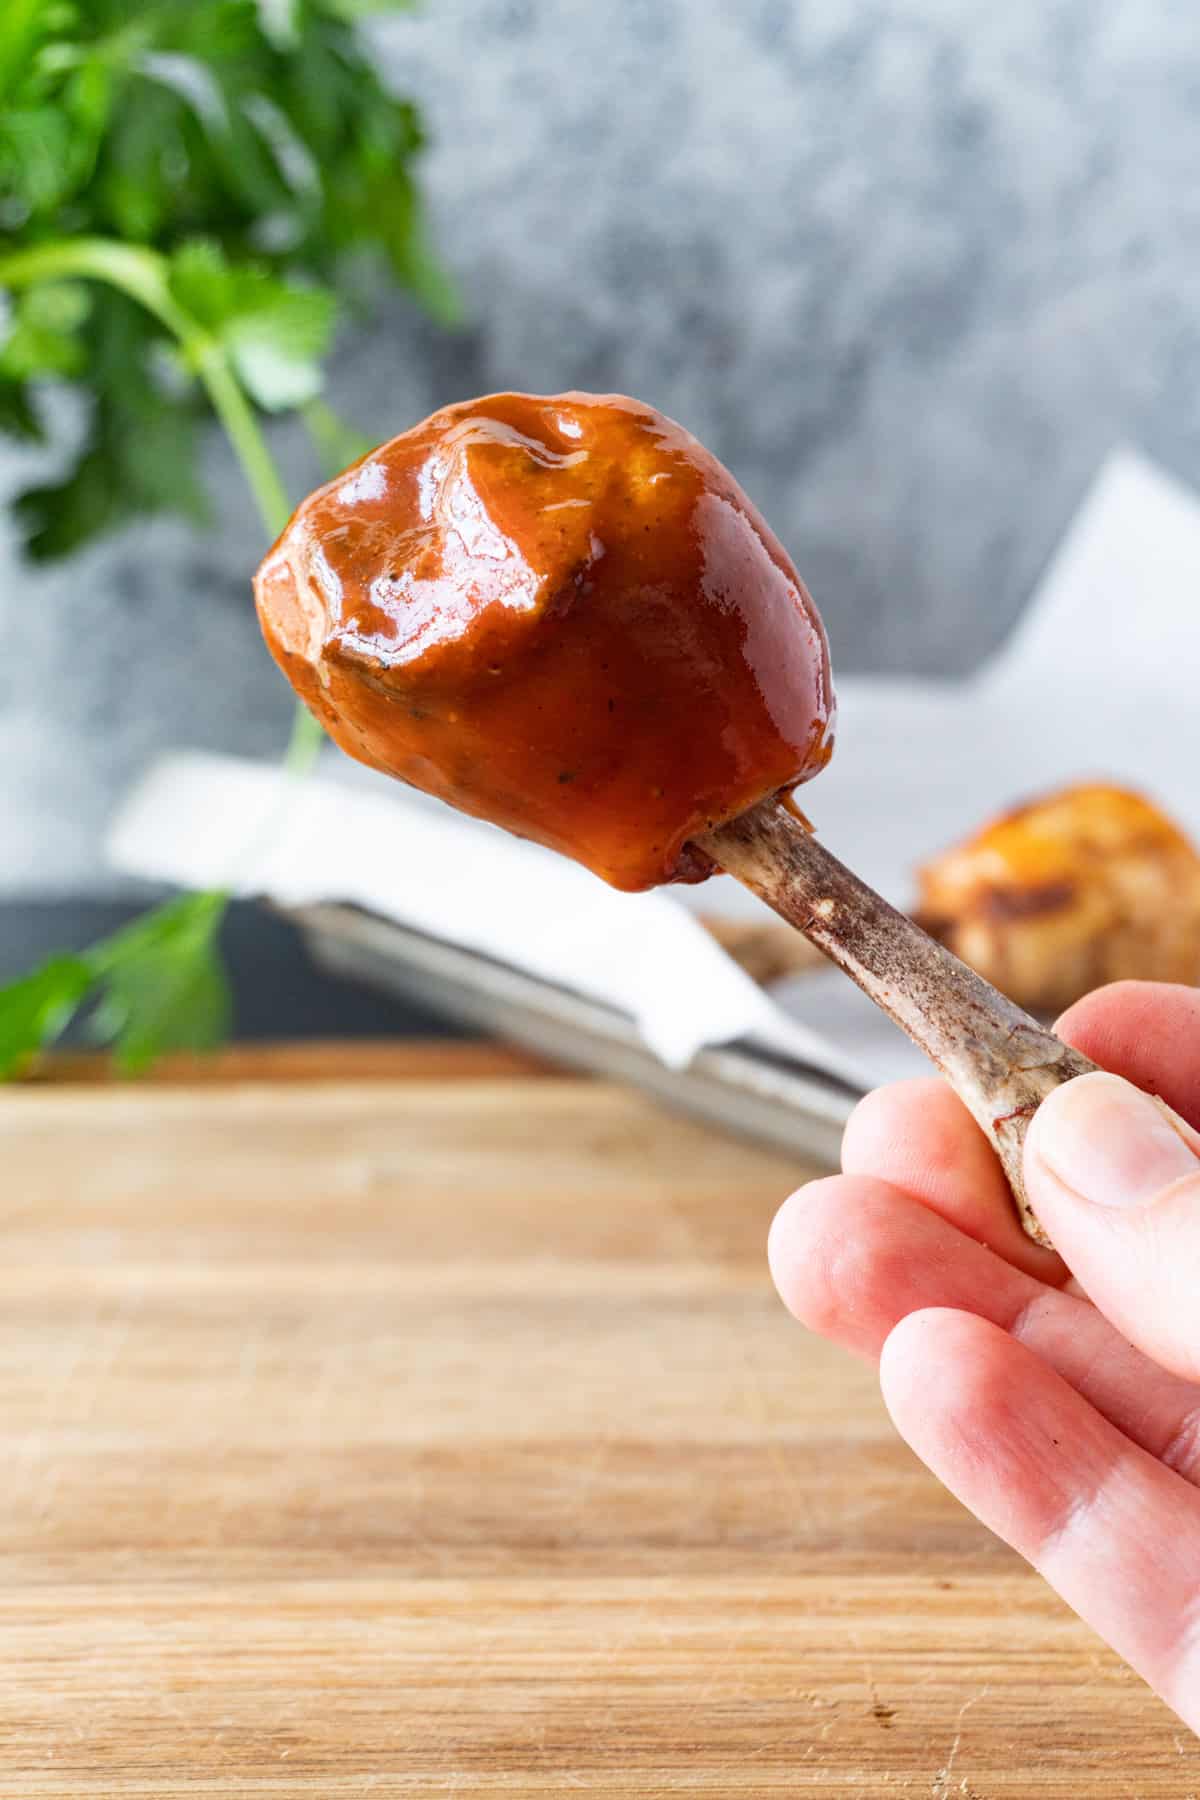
(36, 1008)
(189, 191)
(255, 148)
(157, 985)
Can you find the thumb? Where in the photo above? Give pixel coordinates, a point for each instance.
(1114, 1176)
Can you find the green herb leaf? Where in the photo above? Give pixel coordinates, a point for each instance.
(275, 332)
(34, 1010)
(280, 21)
(139, 452)
(18, 418)
(35, 156)
(24, 25)
(400, 221)
(164, 985)
(160, 985)
(248, 148)
(60, 517)
(130, 463)
(251, 144)
(43, 336)
(361, 9)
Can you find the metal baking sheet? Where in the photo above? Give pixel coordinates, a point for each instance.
(768, 1098)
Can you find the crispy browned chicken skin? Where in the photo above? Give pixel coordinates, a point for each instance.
(1084, 886)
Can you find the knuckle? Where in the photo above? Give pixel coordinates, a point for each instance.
(1181, 1452)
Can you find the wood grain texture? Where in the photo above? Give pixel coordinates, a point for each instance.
(367, 1059)
(445, 1437)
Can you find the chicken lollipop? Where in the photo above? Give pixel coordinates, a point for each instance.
(563, 615)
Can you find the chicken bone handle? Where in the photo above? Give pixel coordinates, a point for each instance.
(999, 1060)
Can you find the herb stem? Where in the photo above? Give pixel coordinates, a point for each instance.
(142, 274)
(306, 738)
(241, 428)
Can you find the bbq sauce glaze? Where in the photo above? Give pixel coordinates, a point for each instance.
(560, 614)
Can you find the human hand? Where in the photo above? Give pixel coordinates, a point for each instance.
(1069, 1424)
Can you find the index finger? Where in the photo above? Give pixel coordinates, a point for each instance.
(1116, 1533)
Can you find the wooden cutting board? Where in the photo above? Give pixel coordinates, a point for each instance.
(412, 1422)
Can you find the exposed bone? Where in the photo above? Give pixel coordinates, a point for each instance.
(1000, 1062)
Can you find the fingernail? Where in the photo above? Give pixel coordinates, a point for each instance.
(1108, 1142)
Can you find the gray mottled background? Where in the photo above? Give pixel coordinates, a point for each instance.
(911, 269)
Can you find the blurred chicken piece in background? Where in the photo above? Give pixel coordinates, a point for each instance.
(1080, 887)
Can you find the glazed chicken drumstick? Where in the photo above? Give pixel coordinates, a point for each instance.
(563, 615)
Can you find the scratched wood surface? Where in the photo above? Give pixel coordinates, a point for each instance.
(431, 1428)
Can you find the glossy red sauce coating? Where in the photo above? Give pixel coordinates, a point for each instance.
(560, 614)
